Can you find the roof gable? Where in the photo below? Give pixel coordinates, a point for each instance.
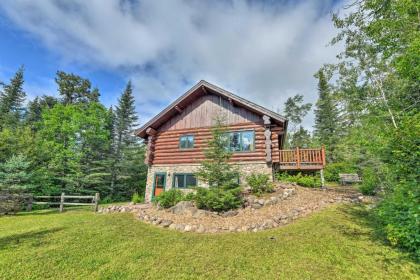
(203, 88)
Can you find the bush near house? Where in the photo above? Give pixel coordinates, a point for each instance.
(260, 183)
(136, 198)
(169, 198)
(302, 180)
(219, 200)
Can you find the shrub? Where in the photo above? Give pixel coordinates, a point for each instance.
(136, 198)
(189, 196)
(309, 181)
(259, 183)
(332, 170)
(169, 198)
(302, 180)
(370, 181)
(216, 199)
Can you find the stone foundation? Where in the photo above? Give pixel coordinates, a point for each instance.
(245, 170)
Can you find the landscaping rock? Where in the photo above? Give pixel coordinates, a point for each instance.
(182, 207)
(166, 223)
(230, 213)
(201, 229)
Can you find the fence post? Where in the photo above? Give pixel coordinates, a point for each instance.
(62, 202)
(96, 202)
(30, 200)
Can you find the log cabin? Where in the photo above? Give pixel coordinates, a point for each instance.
(176, 139)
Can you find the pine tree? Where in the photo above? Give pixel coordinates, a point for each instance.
(11, 101)
(75, 89)
(126, 117)
(301, 138)
(35, 108)
(295, 110)
(15, 174)
(215, 170)
(326, 117)
(126, 147)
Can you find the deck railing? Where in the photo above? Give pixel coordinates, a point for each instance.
(300, 159)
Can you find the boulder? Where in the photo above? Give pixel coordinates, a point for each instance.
(201, 229)
(182, 207)
(229, 213)
(166, 223)
(199, 214)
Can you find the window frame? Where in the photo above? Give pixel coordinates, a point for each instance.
(186, 135)
(185, 180)
(240, 140)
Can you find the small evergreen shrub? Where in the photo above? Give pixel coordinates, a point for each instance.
(189, 196)
(260, 183)
(136, 198)
(169, 198)
(332, 170)
(219, 200)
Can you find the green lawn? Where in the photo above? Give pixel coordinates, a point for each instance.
(337, 243)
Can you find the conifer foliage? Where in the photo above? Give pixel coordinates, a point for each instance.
(72, 143)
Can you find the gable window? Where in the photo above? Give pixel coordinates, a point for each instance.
(186, 142)
(241, 141)
(182, 181)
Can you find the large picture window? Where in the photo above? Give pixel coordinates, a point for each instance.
(186, 142)
(182, 181)
(241, 141)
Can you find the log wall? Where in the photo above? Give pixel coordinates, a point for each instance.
(167, 151)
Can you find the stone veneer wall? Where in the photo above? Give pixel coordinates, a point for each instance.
(245, 169)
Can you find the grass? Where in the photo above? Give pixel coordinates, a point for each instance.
(337, 243)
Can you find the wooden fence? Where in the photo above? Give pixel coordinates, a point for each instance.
(94, 200)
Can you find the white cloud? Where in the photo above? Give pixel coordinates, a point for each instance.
(261, 52)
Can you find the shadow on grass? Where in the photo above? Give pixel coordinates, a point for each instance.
(370, 227)
(51, 211)
(34, 237)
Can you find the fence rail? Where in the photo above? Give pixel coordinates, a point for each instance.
(94, 200)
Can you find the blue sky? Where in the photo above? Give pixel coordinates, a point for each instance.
(264, 51)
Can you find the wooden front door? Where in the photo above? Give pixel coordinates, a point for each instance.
(160, 180)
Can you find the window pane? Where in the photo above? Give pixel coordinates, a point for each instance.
(235, 141)
(190, 141)
(247, 140)
(186, 142)
(191, 181)
(179, 181)
(182, 142)
(160, 178)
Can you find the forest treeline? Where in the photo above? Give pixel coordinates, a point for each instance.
(367, 114)
(71, 143)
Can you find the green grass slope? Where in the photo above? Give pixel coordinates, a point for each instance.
(337, 243)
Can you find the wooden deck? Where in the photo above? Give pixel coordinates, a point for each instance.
(301, 159)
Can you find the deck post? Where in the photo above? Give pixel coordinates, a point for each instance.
(323, 156)
(322, 178)
(62, 202)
